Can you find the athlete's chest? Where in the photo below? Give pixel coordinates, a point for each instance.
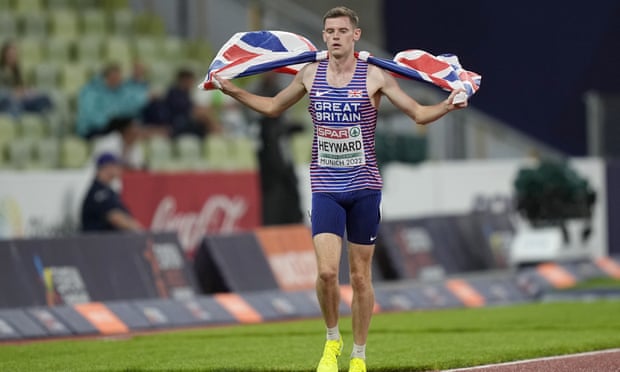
(338, 80)
(338, 98)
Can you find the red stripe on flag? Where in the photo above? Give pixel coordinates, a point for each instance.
(307, 42)
(425, 63)
(469, 76)
(236, 52)
(287, 70)
(440, 82)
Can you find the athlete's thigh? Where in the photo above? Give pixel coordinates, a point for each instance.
(360, 259)
(327, 215)
(328, 224)
(328, 248)
(363, 217)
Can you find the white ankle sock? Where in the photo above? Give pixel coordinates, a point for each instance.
(359, 351)
(333, 333)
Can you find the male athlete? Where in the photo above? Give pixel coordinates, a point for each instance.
(344, 96)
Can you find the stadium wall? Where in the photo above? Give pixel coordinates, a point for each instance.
(43, 204)
(459, 187)
(111, 284)
(154, 307)
(47, 204)
(92, 268)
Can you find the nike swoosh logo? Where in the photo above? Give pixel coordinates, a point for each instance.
(320, 94)
(373, 238)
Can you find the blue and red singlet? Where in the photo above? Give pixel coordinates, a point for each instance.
(345, 179)
(343, 149)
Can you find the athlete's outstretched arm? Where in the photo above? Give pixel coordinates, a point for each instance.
(269, 106)
(421, 114)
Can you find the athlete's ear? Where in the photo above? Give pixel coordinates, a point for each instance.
(357, 34)
(324, 35)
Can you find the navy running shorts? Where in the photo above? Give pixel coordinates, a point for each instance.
(358, 211)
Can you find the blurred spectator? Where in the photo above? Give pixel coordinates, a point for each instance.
(15, 97)
(178, 111)
(279, 189)
(105, 97)
(137, 85)
(123, 141)
(103, 209)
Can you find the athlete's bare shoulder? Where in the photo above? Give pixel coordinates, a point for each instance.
(307, 74)
(375, 80)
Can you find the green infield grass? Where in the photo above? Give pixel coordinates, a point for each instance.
(412, 341)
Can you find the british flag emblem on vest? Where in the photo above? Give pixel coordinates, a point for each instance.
(355, 93)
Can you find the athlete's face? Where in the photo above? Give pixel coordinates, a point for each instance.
(340, 36)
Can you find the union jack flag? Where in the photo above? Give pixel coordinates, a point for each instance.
(249, 53)
(354, 93)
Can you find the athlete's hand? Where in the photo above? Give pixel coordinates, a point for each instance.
(458, 105)
(225, 85)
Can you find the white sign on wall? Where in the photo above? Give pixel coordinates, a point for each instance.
(41, 203)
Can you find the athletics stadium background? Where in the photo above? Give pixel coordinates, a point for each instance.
(454, 232)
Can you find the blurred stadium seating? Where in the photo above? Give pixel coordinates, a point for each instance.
(62, 44)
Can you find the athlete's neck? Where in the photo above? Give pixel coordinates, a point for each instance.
(342, 64)
(340, 71)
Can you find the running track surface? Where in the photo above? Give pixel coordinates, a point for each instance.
(596, 361)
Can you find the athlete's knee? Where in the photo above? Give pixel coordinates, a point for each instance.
(328, 275)
(361, 281)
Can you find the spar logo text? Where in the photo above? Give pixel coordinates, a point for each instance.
(340, 147)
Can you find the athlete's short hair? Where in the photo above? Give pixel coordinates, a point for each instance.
(342, 11)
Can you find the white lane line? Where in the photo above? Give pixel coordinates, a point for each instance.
(567, 356)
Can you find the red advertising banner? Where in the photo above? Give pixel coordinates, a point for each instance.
(193, 204)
